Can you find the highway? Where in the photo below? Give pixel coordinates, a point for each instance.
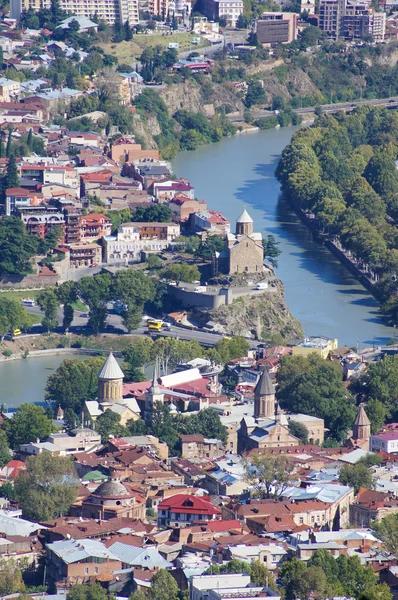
(115, 326)
(326, 108)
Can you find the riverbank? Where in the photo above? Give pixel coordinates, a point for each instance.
(56, 352)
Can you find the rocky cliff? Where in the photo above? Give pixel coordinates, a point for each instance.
(265, 316)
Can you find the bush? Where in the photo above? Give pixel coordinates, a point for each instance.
(7, 353)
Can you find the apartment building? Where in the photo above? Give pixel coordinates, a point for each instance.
(110, 11)
(40, 220)
(133, 238)
(230, 10)
(274, 28)
(352, 19)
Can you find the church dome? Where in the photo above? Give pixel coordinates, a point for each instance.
(244, 217)
(111, 489)
(110, 369)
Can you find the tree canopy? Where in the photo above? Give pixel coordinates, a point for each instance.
(314, 386)
(28, 424)
(47, 488)
(74, 382)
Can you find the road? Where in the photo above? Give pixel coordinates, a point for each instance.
(326, 108)
(115, 326)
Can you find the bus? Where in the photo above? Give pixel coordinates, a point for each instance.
(28, 302)
(154, 324)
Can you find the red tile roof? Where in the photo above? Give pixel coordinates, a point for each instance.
(184, 503)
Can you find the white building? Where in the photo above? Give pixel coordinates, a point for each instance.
(133, 238)
(220, 587)
(107, 10)
(384, 441)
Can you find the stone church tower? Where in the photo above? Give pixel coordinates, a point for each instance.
(110, 381)
(244, 225)
(264, 396)
(361, 428)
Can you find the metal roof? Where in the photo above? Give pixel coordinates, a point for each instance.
(72, 551)
(110, 369)
(139, 557)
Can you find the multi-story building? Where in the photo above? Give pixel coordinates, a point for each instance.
(183, 510)
(40, 220)
(132, 238)
(20, 197)
(107, 10)
(351, 19)
(225, 587)
(9, 89)
(330, 14)
(94, 226)
(386, 441)
(230, 10)
(84, 255)
(274, 28)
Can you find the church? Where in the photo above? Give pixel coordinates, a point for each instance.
(245, 248)
(269, 427)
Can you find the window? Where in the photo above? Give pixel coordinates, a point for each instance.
(301, 520)
(96, 570)
(86, 570)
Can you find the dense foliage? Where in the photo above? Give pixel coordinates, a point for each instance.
(343, 170)
(314, 386)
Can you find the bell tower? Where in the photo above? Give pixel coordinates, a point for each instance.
(361, 428)
(110, 381)
(244, 224)
(264, 396)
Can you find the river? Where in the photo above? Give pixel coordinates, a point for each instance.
(321, 292)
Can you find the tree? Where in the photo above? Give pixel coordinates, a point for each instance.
(356, 476)
(236, 347)
(271, 250)
(159, 213)
(299, 580)
(261, 576)
(137, 355)
(242, 22)
(68, 316)
(109, 424)
(133, 289)
(67, 295)
(95, 292)
(164, 586)
(315, 386)
(377, 414)
(11, 179)
(74, 382)
(381, 382)
(9, 145)
(387, 530)
(208, 423)
(160, 423)
(12, 316)
(268, 475)
(298, 430)
(92, 591)
(5, 454)
(128, 32)
(16, 247)
(11, 581)
(255, 94)
(30, 139)
(377, 592)
(181, 272)
(48, 301)
(28, 424)
(47, 488)
(154, 261)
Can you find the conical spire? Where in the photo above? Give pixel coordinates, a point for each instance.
(264, 385)
(362, 418)
(244, 217)
(110, 369)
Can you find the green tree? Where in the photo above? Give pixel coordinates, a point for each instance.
(381, 382)
(271, 250)
(11, 179)
(12, 316)
(164, 586)
(261, 576)
(268, 475)
(356, 476)
(5, 454)
(128, 32)
(160, 423)
(108, 423)
(159, 213)
(11, 581)
(387, 530)
(92, 591)
(154, 261)
(16, 247)
(136, 356)
(377, 592)
(181, 272)
(74, 382)
(133, 288)
(47, 488)
(208, 423)
(48, 301)
(28, 424)
(377, 414)
(299, 581)
(95, 292)
(67, 295)
(298, 430)
(9, 145)
(255, 94)
(228, 349)
(315, 386)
